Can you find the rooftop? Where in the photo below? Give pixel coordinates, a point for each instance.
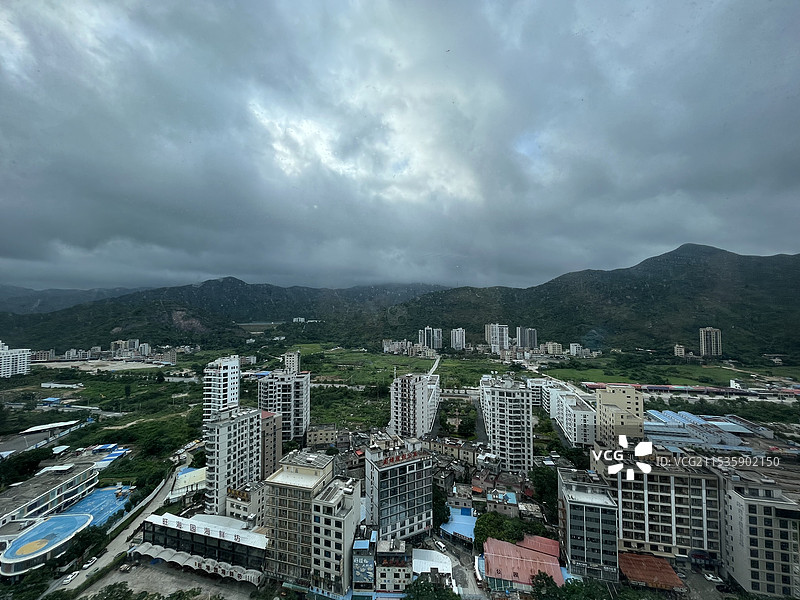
(511, 562)
(19, 495)
(650, 571)
(312, 460)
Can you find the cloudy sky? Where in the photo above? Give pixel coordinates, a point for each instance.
(336, 144)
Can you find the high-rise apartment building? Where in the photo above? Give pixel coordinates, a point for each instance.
(288, 394)
(458, 338)
(527, 338)
(336, 514)
(587, 519)
(291, 362)
(674, 511)
(221, 386)
(399, 486)
(431, 338)
(271, 442)
(233, 443)
(290, 493)
(496, 336)
(762, 533)
(576, 418)
(710, 341)
(507, 406)
(414, 402)
(14, 361)
(620, 411)
(679, 350)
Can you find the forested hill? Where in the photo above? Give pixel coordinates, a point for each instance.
(661, 301)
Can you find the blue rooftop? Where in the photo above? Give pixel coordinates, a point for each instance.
(46, 535)
(185, 471)
(102, 503)
(460, 525)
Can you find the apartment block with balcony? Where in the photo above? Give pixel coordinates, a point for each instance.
(762, 534)
(336, 515)
(508, 413)
(221, 381)
(14, 361)
(414, 403)
(574, 416)
(289, 395)
(233, 444)
(674, 512)
(290, 492)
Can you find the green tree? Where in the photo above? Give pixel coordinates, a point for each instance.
(545, 491)
(441, 512)
(423, 589)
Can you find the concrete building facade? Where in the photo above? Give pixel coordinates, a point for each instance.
(14, 361)
(710, 341)
(458, 338)
(288, 394)
(588, 517)
(414, 403)
(290, 492)
(221, 380)
(620, 411)
(399, 486)
(508, 413)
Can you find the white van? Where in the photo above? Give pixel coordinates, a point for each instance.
(441, 546)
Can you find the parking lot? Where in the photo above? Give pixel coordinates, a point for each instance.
(165, 580)
(700, 589)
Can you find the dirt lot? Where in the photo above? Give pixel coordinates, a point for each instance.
(165, 580)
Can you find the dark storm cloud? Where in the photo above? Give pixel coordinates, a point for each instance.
(324, 144)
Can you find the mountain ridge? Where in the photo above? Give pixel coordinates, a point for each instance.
(658, 302)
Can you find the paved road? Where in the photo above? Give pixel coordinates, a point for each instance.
(435, 365)
(463, 567)
(120, 543)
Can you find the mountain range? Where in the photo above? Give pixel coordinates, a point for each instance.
(655, 304)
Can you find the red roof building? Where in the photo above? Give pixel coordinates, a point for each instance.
(513, 567)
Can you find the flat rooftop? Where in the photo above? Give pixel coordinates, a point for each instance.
(312, 460)
(20, 494)
(599, 499)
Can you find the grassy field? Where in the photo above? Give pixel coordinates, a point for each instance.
(457, 372)
(608, 372)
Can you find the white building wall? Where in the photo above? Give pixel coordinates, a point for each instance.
(14, 361)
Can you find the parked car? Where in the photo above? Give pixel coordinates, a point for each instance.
(681, 574)
(89, 562)
(712, 578)
(70, 577)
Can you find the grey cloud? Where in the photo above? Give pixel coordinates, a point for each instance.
(319, 144)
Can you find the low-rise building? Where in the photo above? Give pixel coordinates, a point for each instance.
(218, 545)
(502, 502)
(393, 566)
